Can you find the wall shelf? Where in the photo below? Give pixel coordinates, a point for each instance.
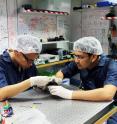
(35, 11)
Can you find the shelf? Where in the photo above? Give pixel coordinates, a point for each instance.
(53, 42)
(37, 11)
(55, 63)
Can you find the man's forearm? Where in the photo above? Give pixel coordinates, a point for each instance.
(10, 91)
(91, 95)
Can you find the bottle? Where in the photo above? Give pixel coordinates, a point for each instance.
(60, 53)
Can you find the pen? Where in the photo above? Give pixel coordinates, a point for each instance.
(37, 103)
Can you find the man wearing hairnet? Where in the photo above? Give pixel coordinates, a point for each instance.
(98, 74)
(17, 70)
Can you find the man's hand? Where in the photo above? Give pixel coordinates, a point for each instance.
(40, 81)
(61, 92)
(57, 80)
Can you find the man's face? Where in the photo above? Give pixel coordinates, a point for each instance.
(25, 60)
(83, 60)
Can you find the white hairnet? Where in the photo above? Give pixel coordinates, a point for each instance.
(28, 44)
(88, 45)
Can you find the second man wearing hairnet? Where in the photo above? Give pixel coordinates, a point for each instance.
(98, 74)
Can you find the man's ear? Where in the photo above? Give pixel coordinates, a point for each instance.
(19, 55)
(94, 58)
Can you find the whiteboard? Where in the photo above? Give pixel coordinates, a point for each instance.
(3, 26)
(88, 22)
(40, 25)
(92, 24)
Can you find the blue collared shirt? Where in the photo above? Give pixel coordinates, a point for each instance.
(10, 73)
(104, 73)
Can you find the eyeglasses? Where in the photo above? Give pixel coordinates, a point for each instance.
(27, 59)
(80, 57)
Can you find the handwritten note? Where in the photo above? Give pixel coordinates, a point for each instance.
(42, 26)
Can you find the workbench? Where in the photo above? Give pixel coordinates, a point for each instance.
(60, 111)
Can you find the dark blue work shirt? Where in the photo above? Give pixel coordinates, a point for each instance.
(104, 73)
(10, 73)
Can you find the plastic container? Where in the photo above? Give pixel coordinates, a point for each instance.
(60, 53)
(104, 4)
